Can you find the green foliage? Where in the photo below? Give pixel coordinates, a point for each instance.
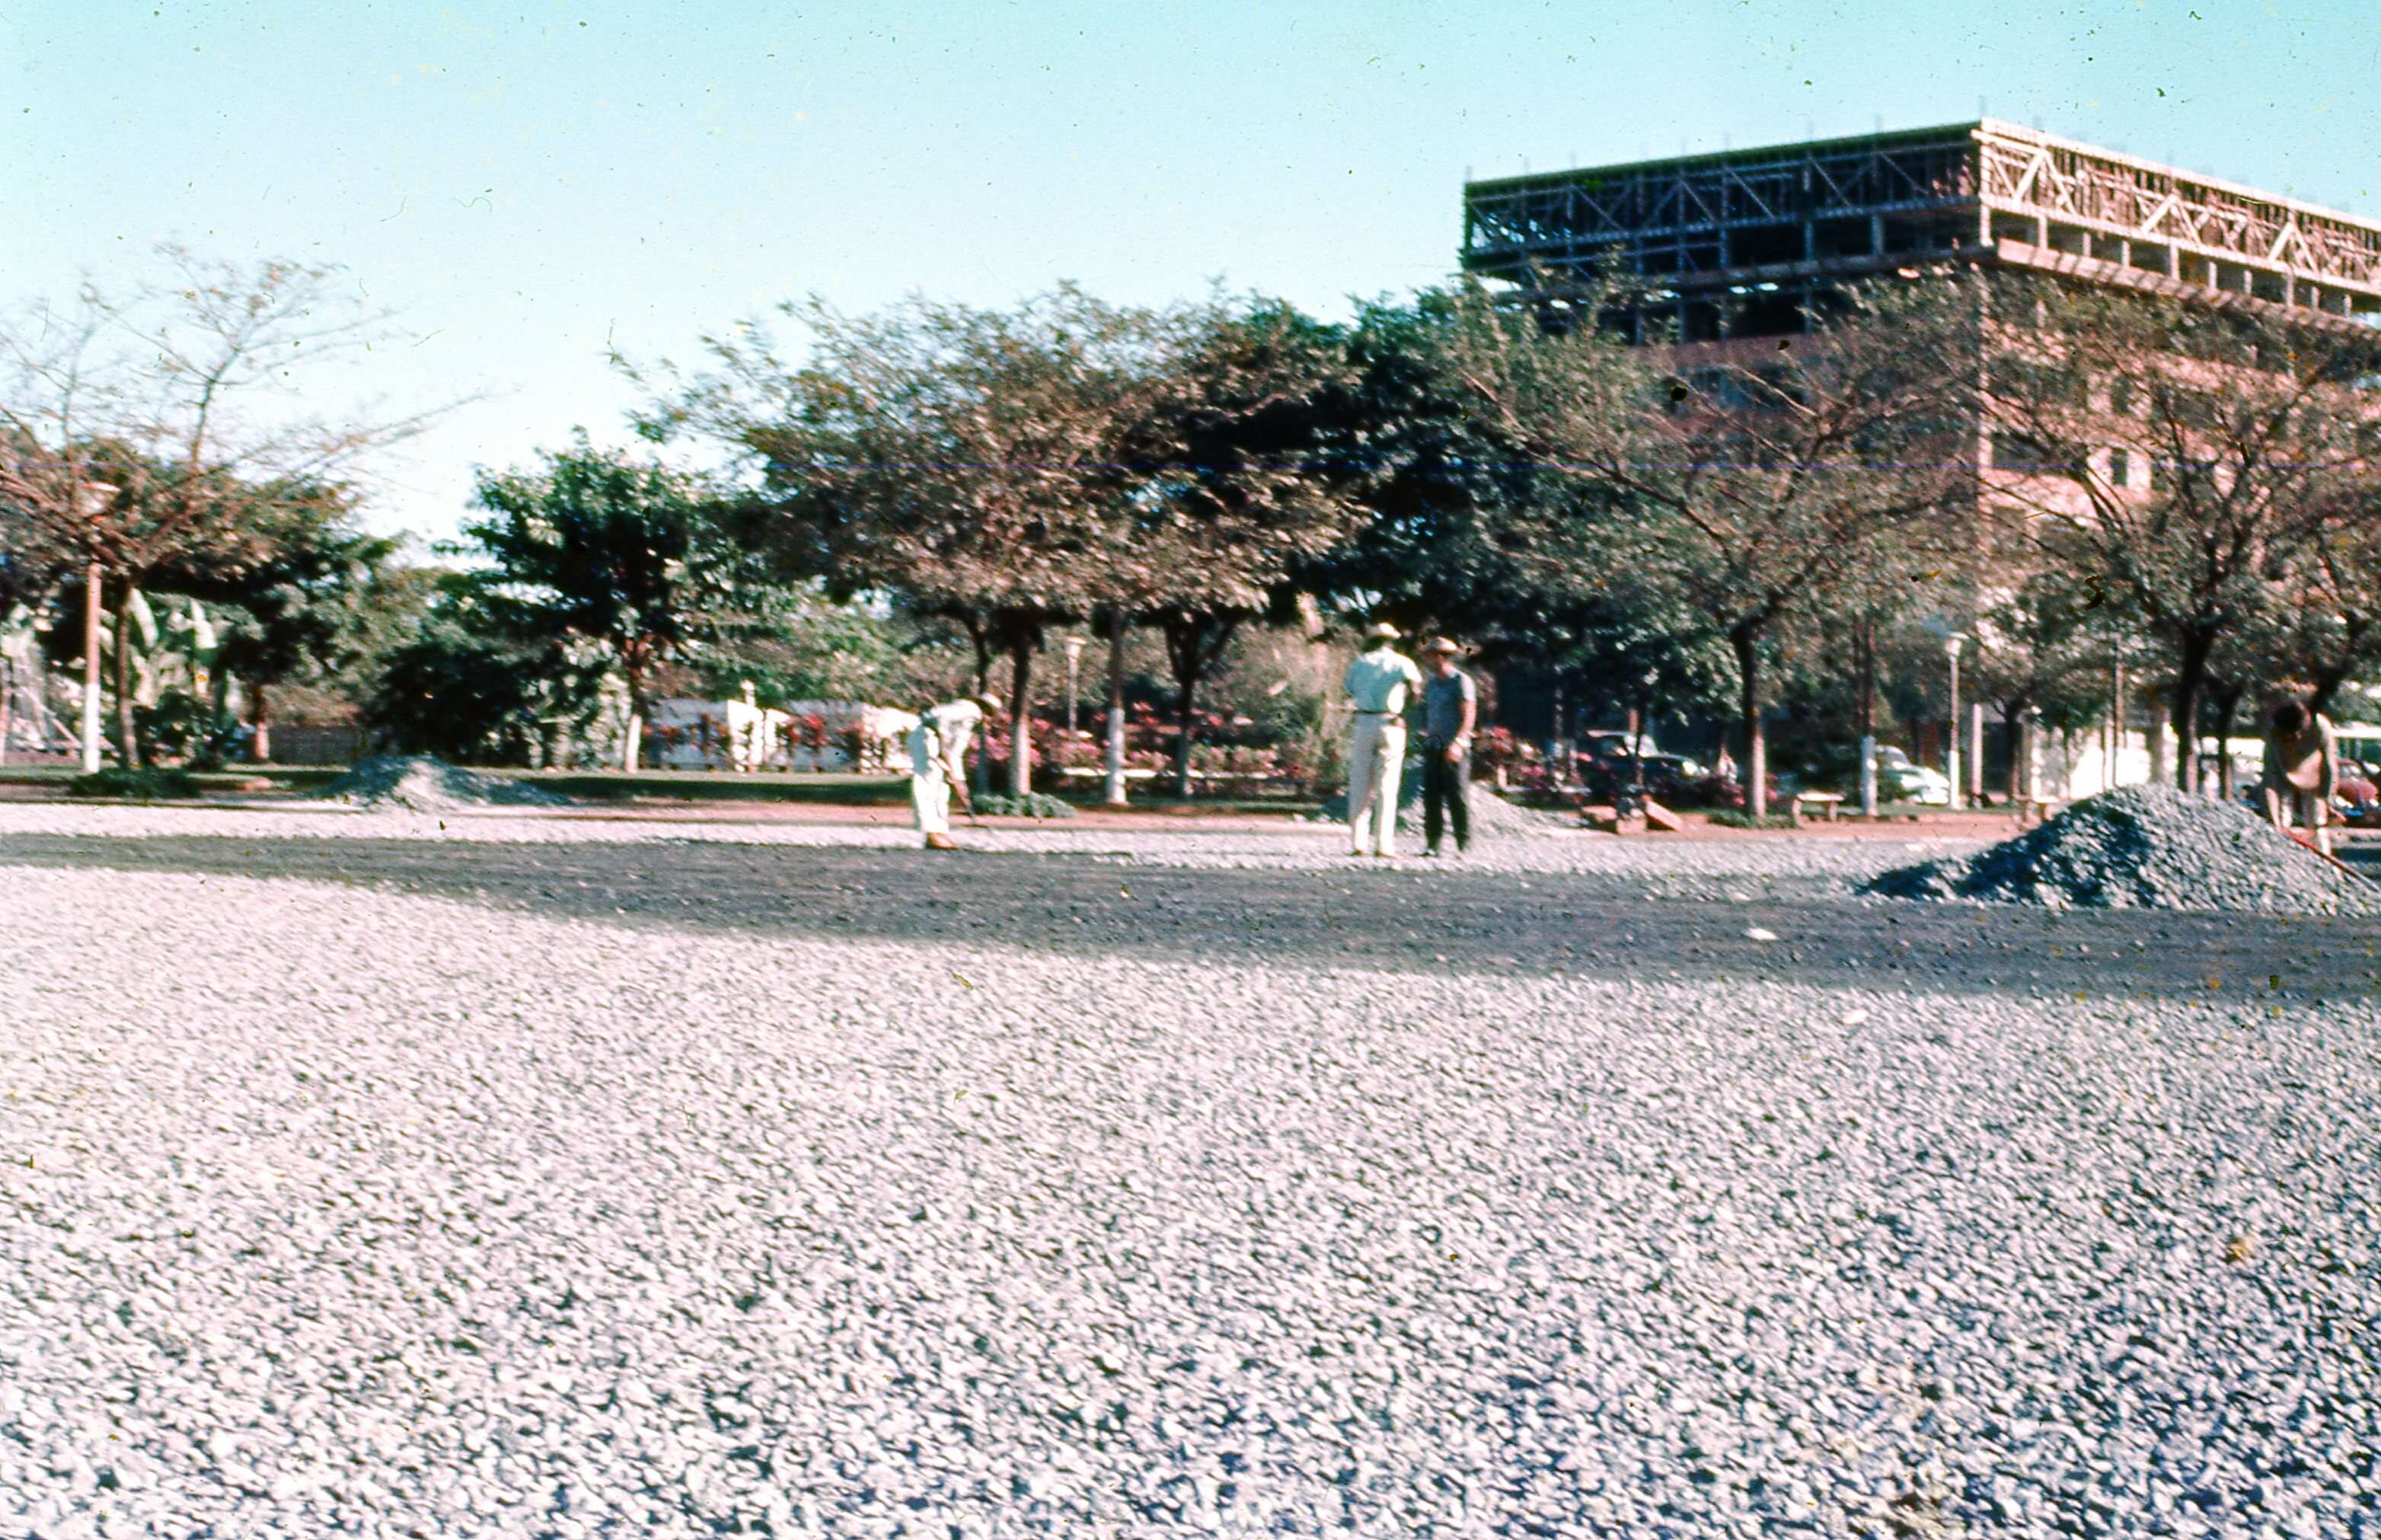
(797, 645)
(180, 726)
(592, 547)
(1731, 818)
(309, 598)
(1445, 492)
(468, 690)
(137, 785)
(1031, 805)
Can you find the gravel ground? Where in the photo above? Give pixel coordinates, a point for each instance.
(533, 1219)
(1706, 868)
(1492, 816)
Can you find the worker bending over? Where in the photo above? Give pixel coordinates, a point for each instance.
(938, 747)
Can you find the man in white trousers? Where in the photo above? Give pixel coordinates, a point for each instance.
(939, 748)
(1378, 683)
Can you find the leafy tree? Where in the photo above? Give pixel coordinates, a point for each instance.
(469, 688)
(793, 643)
(1748, 487)
(593, 546)
(137, 432)
(2196, 459)
(969, 461)
(308, 595)
(2039, 647)
(1236, 487)
(1449, 501)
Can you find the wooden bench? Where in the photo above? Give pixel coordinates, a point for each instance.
(2031, 810)
(1831, 802)
(1095, 773)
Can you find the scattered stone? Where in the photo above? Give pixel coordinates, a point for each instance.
(440, 1216)
(2144, 847)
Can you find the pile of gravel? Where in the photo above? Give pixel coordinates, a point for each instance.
(2144, 847)
(422, 784)
(1491, 816)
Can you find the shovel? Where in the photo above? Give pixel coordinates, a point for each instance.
(2308, 844)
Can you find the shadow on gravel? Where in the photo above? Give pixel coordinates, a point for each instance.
(1414, 919)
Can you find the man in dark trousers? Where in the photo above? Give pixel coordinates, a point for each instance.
(1450, 709)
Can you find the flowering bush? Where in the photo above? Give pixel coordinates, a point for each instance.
(1496, 749)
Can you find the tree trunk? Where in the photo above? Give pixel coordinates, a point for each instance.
(2228, 706)
(260, 714)
(2156, 735)
(1020, 705)
(1757, 747)
(2013, 730)
(128, 742)
(8, 703)
(2190, 685)
(1185, 704)
(1868, 717)
(1115, 797)
(632, 740)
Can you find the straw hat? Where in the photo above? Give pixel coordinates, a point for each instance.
(990, 701)
(1384, 631)
(1440, 644)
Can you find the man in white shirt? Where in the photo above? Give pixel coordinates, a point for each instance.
(1378, 683)
(939, 748)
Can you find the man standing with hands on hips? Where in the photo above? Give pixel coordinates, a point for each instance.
(1450, 709)
(1378, 682)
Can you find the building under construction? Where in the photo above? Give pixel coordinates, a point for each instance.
(1738, 244)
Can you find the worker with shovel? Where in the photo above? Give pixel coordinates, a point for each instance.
(2301, 772)
(939, 748)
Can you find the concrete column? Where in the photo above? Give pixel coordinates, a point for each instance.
(91, 737)
(1975, 755)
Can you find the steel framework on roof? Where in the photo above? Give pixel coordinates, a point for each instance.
(1740, 239)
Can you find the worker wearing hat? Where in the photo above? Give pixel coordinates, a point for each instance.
(1450, 709)
(939, 748)
(1378, 682)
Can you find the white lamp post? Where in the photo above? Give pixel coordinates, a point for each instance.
(1074, 647)
(1951, 644)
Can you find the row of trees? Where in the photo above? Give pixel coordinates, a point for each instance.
(2075, 477)
(158, 443)
(2078, 478)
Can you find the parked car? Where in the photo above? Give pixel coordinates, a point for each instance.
(1671, 779)
(1917, 783)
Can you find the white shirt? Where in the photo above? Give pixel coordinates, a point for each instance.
(948, 727)
(1378, 681)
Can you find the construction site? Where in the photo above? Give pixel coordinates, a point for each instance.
(1737, 244)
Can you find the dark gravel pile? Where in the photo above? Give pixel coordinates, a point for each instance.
(422, 784)
(2144, 847)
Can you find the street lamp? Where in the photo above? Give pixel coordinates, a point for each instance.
(1951, 644)
(1074, 647)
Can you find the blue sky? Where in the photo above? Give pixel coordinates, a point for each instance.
(526, 183)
